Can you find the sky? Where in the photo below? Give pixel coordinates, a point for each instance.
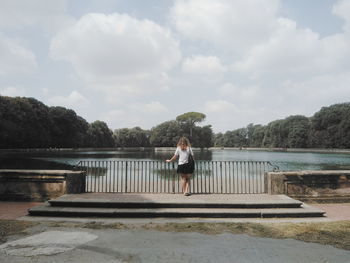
(139, 63)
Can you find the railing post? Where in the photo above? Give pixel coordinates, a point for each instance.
(173, 178)
(221, 178)
(126, 176)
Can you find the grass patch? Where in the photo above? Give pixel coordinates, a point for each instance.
(96, 225)
(13, 227)
(90, 225)
(336, 234)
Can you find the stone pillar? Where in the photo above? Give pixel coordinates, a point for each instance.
(75, 182)
(310, 184)
(275, 183)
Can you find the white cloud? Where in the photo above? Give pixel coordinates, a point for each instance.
(116, 119)
(15, 59)
(342, 9)
(203, 65)
(241, 94)
(297, 53)
(313, 93)
(117, 53)
(13, 92)
(218, 106)
(45, 92)
(154, 107)
(144, 115)
(233, 24)
(49, 15)
(73, 100)
(259, 42)
(223, 114)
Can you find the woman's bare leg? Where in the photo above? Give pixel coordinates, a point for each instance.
(183, 183)
(187, 185)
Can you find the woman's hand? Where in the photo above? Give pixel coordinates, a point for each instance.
(172, 159)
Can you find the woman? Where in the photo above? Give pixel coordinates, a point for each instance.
(182, 152)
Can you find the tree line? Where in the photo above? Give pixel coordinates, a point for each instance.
(28, 123)
(327, 128)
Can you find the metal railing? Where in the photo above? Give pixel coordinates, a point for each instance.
(231, 177)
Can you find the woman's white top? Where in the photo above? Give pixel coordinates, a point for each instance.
(183, 154)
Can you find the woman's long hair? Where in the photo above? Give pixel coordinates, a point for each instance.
(183, 141)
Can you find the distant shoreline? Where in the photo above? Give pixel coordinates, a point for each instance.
(304, 150)
(167, 149)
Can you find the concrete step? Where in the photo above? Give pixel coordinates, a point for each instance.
(48, 210)
(175, 201)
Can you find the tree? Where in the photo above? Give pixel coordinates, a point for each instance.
(135, 137)
(28, 123)
(236, 138)
(258, 136)
(189, 119)
(24, 122)
(298, 128)
(99, 135)
(67, 128)
(275, 135)
(166, 134)
(330, 127)
(292, 132)
(219, 140)
(203, 137)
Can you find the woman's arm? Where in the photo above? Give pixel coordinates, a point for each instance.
(172, 159)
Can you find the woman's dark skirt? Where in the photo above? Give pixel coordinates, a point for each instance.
(184, 169)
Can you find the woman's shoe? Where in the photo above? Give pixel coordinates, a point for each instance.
(187, 194)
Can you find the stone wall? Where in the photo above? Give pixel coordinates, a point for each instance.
(319, 186)
(39, 185)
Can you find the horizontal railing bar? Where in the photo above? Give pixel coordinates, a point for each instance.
(160, 161)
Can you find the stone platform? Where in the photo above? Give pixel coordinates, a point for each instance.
(39, 185)
(175, 206)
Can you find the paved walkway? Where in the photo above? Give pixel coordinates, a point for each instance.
(14, 210)
(335, 211)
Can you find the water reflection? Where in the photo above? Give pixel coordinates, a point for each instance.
(33, 163)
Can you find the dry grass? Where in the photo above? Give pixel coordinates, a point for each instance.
(90, 225)
(336, 234)
(96, 225)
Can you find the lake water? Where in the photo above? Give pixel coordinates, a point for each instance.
(67, 159)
